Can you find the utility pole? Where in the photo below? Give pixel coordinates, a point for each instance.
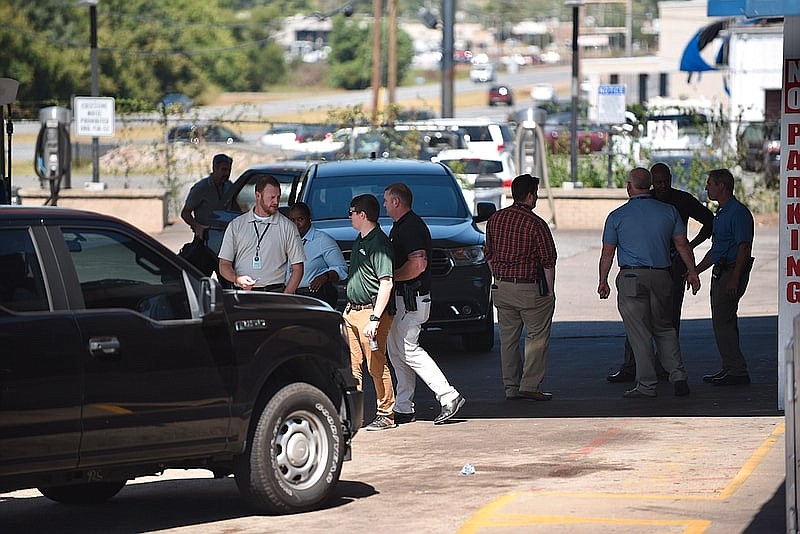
(377, 10)
(573, 130)
(391, 58)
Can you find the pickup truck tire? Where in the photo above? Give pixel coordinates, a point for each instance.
(294, 458)
(89, 493)
(483, 339)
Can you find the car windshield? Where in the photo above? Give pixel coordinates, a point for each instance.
(434, 195)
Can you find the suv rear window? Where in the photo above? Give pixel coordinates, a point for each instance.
(434, 195)
(21, 281)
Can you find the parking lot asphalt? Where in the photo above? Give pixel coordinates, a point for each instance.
(588, 461)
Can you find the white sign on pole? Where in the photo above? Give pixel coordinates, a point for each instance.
(94, 116)
(611, 104)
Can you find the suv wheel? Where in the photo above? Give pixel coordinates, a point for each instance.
(89, 493)
(483, 340)
(294, 458)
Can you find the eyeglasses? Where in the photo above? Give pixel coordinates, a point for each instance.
(351, 211)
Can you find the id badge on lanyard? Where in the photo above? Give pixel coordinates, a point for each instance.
(257, 264)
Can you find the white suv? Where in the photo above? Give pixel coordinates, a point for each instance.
(480, 134)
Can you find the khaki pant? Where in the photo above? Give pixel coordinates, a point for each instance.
(377, 363)
(521, 305)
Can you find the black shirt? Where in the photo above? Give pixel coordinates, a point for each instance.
(688, 206)
(410, 233)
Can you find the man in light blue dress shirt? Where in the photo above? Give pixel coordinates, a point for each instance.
(324, 265)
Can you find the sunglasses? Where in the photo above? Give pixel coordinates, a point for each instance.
(351, 211)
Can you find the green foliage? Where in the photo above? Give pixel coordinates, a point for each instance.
(351, 54)
(145, 49)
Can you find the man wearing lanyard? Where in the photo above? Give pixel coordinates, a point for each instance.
(259, 245)
(324, 263)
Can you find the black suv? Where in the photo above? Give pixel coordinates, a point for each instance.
(119, 360)
(461, 283)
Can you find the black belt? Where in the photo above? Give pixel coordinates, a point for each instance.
(357, 307)
(274, 288)
(400, 293)
(626, 267)
(515, 280)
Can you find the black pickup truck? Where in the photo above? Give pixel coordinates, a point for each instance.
(118, 360)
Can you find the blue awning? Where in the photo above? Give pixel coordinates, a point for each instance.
(692, 61)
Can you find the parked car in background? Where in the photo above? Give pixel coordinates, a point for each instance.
(482, 73)
(146, 366)
(485, 177)
(501, 94)
(591, 137)
(293, 136)
(759, 148)
(175, 103)
(203, 132)
(461, 279)
(480, 134)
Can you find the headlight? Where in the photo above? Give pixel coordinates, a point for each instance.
(468, 256)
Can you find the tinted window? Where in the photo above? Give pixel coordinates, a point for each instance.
(21, 282)
(474, 166)
(434, 196)
(116, 271)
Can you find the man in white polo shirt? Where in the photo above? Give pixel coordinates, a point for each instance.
(259, 245)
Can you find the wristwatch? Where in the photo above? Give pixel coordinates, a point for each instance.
(374, 318)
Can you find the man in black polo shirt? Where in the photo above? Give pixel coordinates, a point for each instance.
(688, 207)
(411, 241)
(369, 288)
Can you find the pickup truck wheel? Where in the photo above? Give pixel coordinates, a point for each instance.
(482, 340)
(89, 493)
(294, 458)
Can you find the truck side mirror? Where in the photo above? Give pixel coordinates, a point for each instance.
(210, 297)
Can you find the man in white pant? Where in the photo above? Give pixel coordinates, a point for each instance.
(411, 241)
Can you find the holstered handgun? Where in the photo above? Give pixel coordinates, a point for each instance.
(410, 295)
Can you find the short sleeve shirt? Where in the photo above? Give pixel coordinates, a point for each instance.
(204, 198)
(280, 246)
(642, 230)
(370, 260)
(408, 234)
(733, 226)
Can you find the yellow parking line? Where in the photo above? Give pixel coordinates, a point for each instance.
(489, 516)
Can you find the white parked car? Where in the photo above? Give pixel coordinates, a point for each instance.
(482, 73)
(483, 176)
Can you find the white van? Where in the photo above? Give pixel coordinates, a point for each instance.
(480, 134)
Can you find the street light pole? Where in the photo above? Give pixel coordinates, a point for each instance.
(573, 130)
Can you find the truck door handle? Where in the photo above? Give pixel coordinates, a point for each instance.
(104, 347)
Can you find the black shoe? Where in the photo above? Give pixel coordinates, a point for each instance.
(681, 388)
(710, 378)
(401, 418)
(449, 410)
(731, 380)
(381, 422)
(636, 394)
(621, 376)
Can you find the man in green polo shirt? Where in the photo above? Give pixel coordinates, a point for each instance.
(369, 288)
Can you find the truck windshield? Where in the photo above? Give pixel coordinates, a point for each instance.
(434, 195)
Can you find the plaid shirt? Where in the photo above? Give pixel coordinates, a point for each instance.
(517, 242)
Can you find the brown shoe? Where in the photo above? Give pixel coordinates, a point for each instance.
(535, 395)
